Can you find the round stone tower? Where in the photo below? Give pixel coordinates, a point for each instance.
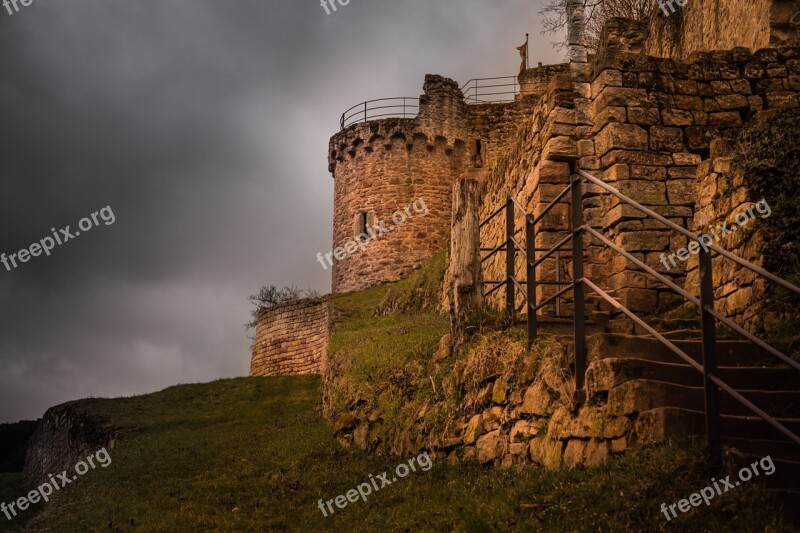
(393, 185)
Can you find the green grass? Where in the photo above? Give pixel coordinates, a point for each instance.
(380, 361)
(254, 454)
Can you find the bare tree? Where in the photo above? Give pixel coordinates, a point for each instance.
(596, 14)
(271, 296)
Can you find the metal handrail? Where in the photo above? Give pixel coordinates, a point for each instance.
(733, 257)
(474, 92)
(712, 381)
(706, 303)
(512, 246)
(694, 364)
(404, 106)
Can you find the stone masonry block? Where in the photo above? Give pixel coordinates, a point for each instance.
(645, 116)
(666, 139)
(620, 136)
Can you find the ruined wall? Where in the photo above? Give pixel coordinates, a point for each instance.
(656, 120)
(705, 25)
(65, 435)
(722, 196)
(292, 339)
(642, 124)
(533, 170)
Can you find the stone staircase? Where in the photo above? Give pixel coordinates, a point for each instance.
(642, 379)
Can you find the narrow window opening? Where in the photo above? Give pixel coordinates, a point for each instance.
(362, 223)
(477, 159)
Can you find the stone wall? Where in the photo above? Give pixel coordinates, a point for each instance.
(656, 119)
(523, 413)
(643, 125)
(722, 196)
(292, 339)
(705, 25)
(65, 435)
(533, 169)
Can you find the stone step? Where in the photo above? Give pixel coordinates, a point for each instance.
(790, 501)
(605, 374)
(668, 324)
(663, 423)
(551, 325)
(622, 324)
(779, 449)
(786, 475)
(615, 345)
(642, 395)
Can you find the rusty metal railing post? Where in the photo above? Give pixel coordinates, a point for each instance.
(530, 260)
(710, 358)
(510, 255)
(578, 290)
(558, 283)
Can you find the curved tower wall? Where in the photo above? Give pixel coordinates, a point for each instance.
(388, 166)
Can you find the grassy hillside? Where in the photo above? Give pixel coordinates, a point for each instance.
(255, 455)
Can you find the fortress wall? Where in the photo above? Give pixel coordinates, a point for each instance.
(292, 339)
(534, 170)
(655, 120)
(722, 195)
(705, 25)
(496, 125)
(642, 124)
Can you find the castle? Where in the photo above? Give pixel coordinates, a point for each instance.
(653, 115)
(641, 114)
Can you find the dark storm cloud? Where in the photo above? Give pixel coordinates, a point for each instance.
(204, 126)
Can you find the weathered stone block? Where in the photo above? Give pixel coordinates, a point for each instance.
(491, 419)
(609, 115)
(560, 149)
(666, 139)
(620, 136)
(644, 192)
(538, 400)
(640, 241)
(607, 78)
(731, 101)
(681, 192)
(725, 119)
(474, 430)
(621, 96)
(645, 116)
(596, 452)
(489, 447)
(523, 431)
(677, 117)
(690, 103)
(781, 100)
(635, 158)
(574, 453)
(499, 391)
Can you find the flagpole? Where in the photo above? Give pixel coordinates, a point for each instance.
(527, 52)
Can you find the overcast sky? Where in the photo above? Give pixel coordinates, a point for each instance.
(204, 126)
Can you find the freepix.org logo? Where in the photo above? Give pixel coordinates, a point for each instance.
(372, 233)
(330, 5)
(62, 236)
